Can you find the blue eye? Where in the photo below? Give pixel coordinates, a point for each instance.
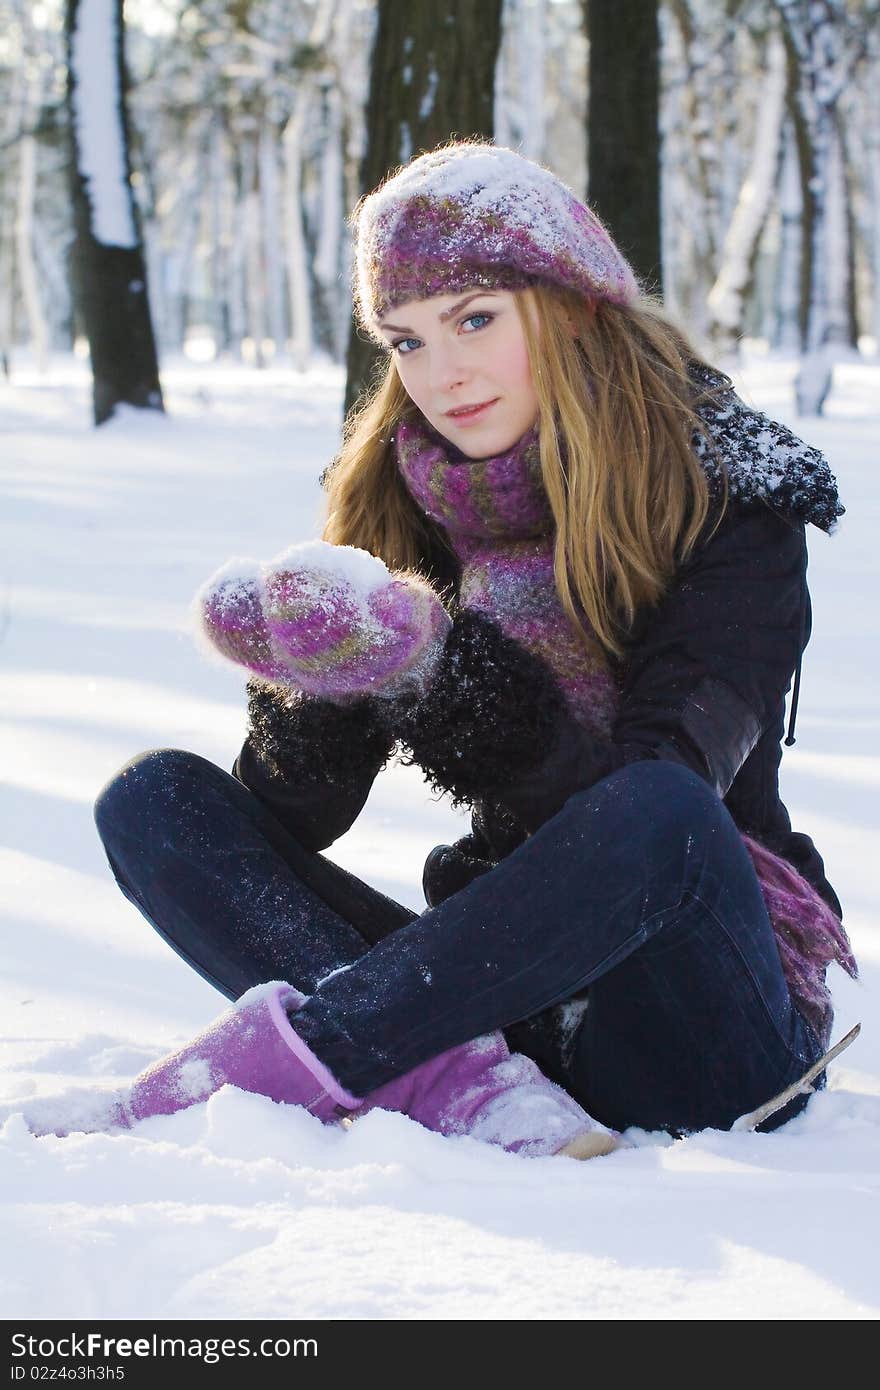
(404, 346)
(470, 319)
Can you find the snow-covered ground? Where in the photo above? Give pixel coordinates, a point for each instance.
(220, 1212)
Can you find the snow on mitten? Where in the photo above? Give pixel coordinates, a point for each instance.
(229, 615)
(345, 625)
(329, 620)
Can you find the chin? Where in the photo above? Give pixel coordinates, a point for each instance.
(476, 449)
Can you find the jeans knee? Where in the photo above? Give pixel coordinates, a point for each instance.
(658, 793)
(143, 782)
(672, 785)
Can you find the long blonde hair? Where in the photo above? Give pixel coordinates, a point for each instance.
(616, 421)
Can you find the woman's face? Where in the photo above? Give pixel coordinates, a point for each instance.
(455, 352)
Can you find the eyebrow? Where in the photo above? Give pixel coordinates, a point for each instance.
(447, 313)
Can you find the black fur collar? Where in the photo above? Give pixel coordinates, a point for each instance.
(764, 461)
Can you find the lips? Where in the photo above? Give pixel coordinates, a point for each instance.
(469, 412)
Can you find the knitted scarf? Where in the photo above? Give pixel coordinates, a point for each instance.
(497, 517)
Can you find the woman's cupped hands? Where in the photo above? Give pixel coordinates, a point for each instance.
(331, 621)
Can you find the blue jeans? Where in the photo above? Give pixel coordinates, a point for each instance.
(625, 946)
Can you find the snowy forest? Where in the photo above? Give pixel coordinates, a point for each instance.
(177, 363)
(209, 154)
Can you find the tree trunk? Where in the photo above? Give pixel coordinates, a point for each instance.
(298, 278)
(220, 222)
(701, 195)
(734, 156)
(270, 208)
(7, 292)
(623, 129)
(532, 62)
(180, 280)
(813, 381)
(12, 122)
(432, 79)
(839, 330)
(24, 231)
(815, 37)
(108, 275)
(297, 259)
(255, 286)
(331, 220)
(238, 312)
(787, 333)
(871, 233)
(874, 243)
(728, 294)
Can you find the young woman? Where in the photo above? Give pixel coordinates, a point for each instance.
(564, 571)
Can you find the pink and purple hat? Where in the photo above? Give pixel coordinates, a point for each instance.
(476, 214)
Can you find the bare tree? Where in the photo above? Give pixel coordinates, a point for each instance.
(432, 78)
(871, 233)
(727, 297)
(623, 128)
(824, 40)
(700, 50)
(107, 268)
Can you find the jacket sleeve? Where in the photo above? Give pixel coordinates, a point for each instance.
(714, 660)
(705, 672)
(312, 762)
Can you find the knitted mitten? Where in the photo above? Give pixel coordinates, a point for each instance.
(329, 620)
(229, 614)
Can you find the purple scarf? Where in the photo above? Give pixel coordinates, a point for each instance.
(498, 518)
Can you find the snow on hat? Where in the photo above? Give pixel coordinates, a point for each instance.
(476, 214)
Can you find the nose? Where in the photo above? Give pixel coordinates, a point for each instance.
(448, 366)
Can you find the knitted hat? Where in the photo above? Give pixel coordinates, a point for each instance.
(475, 214)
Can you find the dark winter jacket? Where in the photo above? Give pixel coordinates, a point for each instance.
(703, 682)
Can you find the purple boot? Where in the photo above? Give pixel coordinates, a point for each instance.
(483, 1089)
(251, 1046)
(478, 1088)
